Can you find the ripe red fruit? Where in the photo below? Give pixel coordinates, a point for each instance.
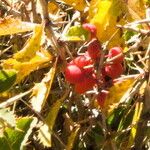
(85, 63)
(114, 52)
(101, 97)
(91, 28)
(113, 70)
(94, 49)
(85, 85)
(74, 74)
(82, 61)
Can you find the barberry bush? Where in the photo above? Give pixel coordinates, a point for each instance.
(75, 75)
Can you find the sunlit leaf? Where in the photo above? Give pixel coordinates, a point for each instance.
(25, 68)
(105, 14)
(116, 92)
(45, 131)
(31, 47)
(41, 90)
(76, 33)
(10, 26)
(52, 7)
(30, 58)
(136, 8)
(7, 117)
(136, 117)
(7, 79)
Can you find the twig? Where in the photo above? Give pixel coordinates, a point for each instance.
(147, 54)
(141, 60)
(7, 2)
(139, 22)
(5, 50)
(128, 77)
(14, 99)
(48, 29)
(36, 17)
(114, 58)
(142, 31)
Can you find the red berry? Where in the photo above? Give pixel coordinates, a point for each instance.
(82, 61)
(85, 85)
(114, 52)
(113, 70)
(94, 49)
(85, 63)
(74, 74)
(101, 97)
(91, 28)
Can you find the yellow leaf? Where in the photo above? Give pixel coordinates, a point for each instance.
(41, 90)
(72, 138)
(31, 47)
(5, 95)
(46, 130)
(11, 26)
(105, 15)
(116, 92)
(77, 4)
(25, 68)
(136, 117)
(30, 58)
(137, 8)
(52, 7)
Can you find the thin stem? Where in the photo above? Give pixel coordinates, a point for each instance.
(142, 31)
(14, 99)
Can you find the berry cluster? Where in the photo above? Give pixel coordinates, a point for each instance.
(82, 73)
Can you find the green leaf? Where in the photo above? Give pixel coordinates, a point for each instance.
(128, 34)
(14, 139)
(4, 144)
(126, 120)
(123, 125)
(114, 118)
(7, 79)
(77, 33)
